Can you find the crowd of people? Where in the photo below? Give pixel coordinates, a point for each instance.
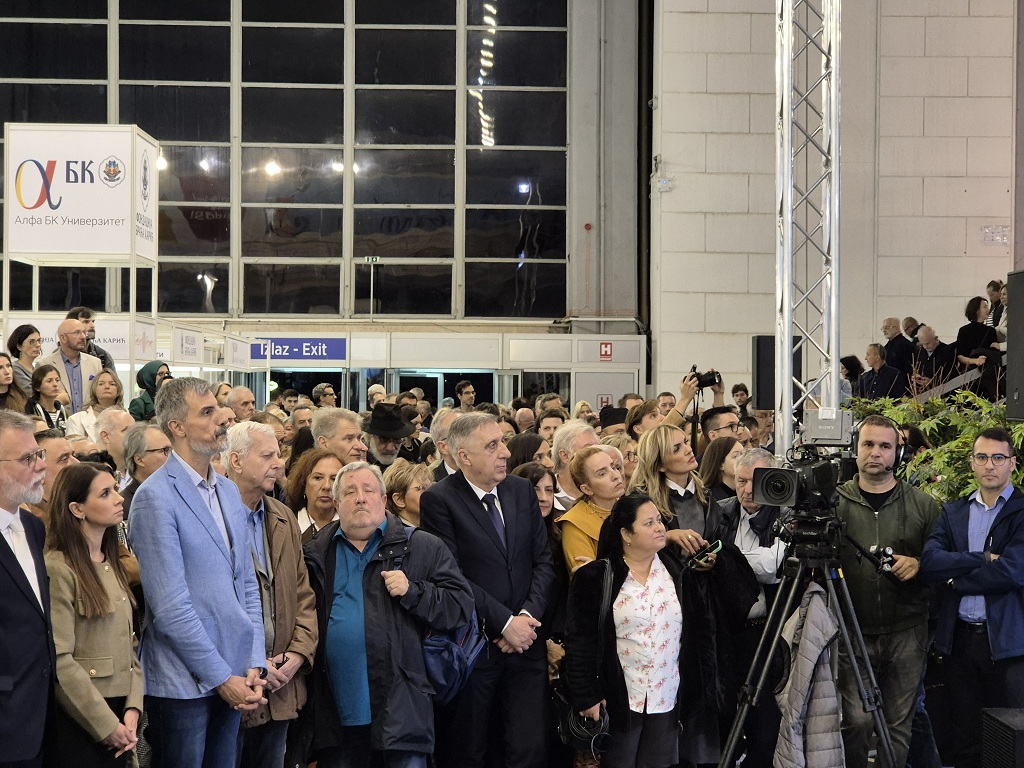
(913, 360)
(191, 581)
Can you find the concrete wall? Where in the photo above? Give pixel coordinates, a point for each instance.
(927, 165)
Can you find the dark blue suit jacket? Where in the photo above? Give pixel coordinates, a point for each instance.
(27, 658)
(505, 581)
(886, 382)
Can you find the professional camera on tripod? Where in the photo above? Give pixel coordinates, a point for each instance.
(814, 535)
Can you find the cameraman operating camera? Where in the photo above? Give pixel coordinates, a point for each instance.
(882, 511)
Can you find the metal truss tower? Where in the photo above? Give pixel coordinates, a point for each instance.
(807, 193)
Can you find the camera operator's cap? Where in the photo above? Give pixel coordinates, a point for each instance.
(385, 420)
(611, 416)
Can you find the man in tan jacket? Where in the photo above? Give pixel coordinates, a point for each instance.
(252, 460)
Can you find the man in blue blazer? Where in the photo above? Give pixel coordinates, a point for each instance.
(28, 663)
(493, 526)
(976, 555)
(202, 647)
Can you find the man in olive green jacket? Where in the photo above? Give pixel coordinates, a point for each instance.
(892, 608)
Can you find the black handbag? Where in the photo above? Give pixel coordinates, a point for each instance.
(574, 730)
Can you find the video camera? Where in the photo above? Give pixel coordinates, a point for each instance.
(808, 485)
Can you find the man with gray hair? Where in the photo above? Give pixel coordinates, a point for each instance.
(439, 428)
(111, 427)
(202, 646)
(146, 448)
(242, 401)
(573, 436)
(252, 460)
(491, 522)
(379, 588)
(301, 416)
(750, 526)
(339, 430)
(324, 395)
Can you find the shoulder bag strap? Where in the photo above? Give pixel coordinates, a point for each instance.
(606, 604)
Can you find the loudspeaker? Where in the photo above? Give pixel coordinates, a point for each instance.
(763, 368)
(1002, 738)
(1015, 347)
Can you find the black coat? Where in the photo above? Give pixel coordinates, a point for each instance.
(439, 598)
(939, 366)
(594, 673)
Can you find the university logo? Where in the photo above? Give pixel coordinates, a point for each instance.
(112, 172)
(144, 181)
(31, 172)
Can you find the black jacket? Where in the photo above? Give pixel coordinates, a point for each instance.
(594, 673)
(439, 598)
(887, 381)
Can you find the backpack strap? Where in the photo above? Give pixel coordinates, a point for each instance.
(606, 603)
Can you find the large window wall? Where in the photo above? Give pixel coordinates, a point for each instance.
(324, 158)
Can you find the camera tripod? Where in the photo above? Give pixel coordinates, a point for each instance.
(811, 555)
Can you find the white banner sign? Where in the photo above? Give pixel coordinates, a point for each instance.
(187, 346)
(236, 354)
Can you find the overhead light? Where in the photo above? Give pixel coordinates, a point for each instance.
(524, 188)
(272, 168)
(204, 164)
(337, 167)
(161, 163)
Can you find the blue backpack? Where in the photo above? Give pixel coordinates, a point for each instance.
(449, 657)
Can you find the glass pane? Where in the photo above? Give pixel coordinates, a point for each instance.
(52, 103)
(405, 117)
(195, 174)
(176, 10)
(405, 12)
(522, 234)
(516, 58)
(293, 289)
(170, 52)
(292, 55)
(404, 289)
(283, 233)
(54, 50)
(54, 9)
(404, 233)
(515, 290)
(194, 231)
(177, 112)
(515, 177)
(192, 287)
(296, 115)
(405, 57)
(61, 288)
(298, 11)
(21, 285)
(143, 289)
(291, 175)
(507, 117)
(405, 176)
(522, 13)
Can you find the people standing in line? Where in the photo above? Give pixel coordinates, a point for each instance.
(972, 558)
(99, 677)
(203, 641)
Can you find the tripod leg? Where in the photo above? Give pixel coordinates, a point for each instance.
(785, 602)
(867, 684)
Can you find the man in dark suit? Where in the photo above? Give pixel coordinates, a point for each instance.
(28, 664)
(934, 360)
(493, 526)
(880, 379)
(899, 350)
(439, 433)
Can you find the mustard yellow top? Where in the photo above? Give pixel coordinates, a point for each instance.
(581, 526)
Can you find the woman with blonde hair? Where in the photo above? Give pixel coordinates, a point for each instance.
(105, 391)
(99, 679)
(594, 472)
(627, 447)
(582, 409)
(404, 483)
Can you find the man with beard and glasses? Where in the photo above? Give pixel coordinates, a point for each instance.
(384, 431)
(203, 644)
(28, 664)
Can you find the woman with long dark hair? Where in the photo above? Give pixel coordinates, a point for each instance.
(718, 467)
(526, 447)
(634, 654)
(99, 678)
(43, 404)
(11, 395)
(850, 369)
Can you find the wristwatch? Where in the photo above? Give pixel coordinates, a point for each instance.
(263, 672)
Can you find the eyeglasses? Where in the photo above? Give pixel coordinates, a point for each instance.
(998, 459)
(630, 456)
(328, 394)
(30, 459)
(33, 342)
(166, 450)
(734, 427)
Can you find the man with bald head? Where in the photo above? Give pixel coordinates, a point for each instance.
(112, 425)
(525, 419)
(899, 350)
(934, 360)
(76, 367)
(242, 401)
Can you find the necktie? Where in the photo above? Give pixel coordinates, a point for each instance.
(492, 509)
(21, 551)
